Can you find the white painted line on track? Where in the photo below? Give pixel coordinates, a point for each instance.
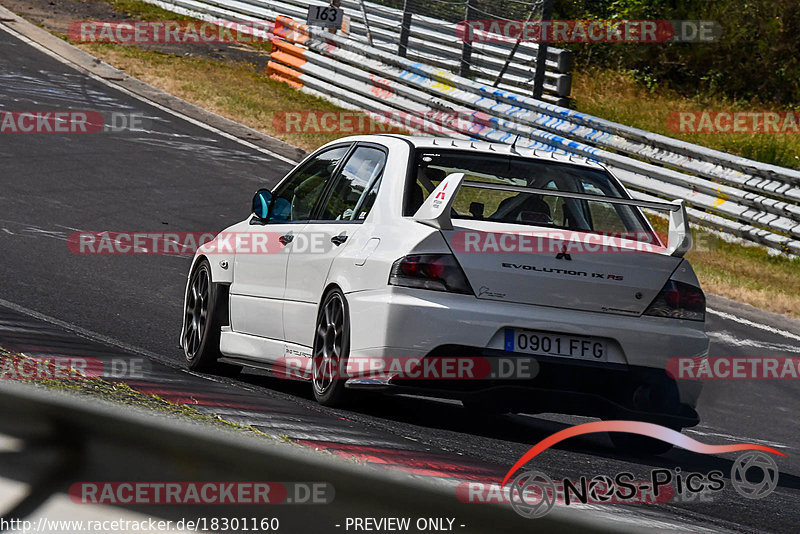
(156, 105)
(725, 338)
(737, 439)
(83, 332)
(106, 340)
(753, 324)
(110, 341)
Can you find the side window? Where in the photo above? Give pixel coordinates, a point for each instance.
(368, 200)
(349, 199)
(295, 198)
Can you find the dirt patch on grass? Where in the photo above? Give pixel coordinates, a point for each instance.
(57, 15)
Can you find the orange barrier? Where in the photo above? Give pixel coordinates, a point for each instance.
(286, 57)
(286, 28)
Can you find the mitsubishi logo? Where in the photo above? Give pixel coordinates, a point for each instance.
(563, 255)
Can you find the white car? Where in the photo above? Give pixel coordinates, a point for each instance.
(385, 247)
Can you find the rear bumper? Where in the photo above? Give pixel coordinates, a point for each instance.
(402, 322)
(596, 390)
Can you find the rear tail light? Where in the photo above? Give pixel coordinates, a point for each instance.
(440, 272)
(679, 300)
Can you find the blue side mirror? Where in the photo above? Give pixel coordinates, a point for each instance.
(262, 201)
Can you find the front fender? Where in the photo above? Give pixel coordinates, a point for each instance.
(221, 265)
(221, 269)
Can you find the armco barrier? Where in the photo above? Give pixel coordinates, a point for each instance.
(63, 439)
(754, 201)
(431, 40)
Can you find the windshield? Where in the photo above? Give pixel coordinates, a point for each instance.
(534, 209)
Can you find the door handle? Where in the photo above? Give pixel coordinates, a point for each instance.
(338, 239)
(284, 239)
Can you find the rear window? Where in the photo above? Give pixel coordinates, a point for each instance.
(532, 209)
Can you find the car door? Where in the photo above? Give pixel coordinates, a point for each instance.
(259, 277)
(346, 204)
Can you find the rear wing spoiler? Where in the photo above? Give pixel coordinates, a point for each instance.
(436, 210)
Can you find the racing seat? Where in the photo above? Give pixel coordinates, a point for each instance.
(524, 207)
(425, 177)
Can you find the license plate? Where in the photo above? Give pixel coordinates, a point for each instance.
(546, 344)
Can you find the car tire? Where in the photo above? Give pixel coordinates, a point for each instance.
(205, 311)
(331, 349)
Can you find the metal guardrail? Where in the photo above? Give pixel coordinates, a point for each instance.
(67, 439)
(754, 201)
(430, 40)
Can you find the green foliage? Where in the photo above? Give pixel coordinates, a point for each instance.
(757, 57)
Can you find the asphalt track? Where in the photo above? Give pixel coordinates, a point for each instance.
(177, 177)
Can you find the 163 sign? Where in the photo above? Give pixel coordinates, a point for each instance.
(325, 17)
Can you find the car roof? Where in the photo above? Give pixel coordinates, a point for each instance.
(425, 142)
